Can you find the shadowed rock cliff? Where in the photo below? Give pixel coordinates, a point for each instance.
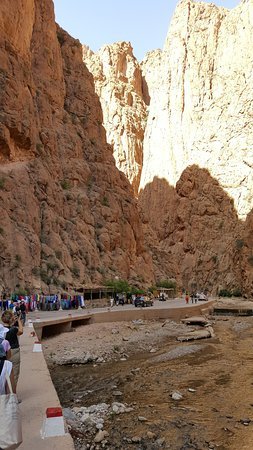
(68, 216)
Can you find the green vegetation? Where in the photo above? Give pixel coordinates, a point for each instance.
(233, 293)
(121, 286)
(18, 258)
(75, 272)
(169, 284)
(44, 276)
(39, 146)
(52, 266)
(237, 293)
(20, 291)
(63, 284)
(65, 184)
(118, 285)
(239, 243)
(60, 37)
(36, 271)
(58, 254)
(2, 183)
(250, 260)
(17, 261)
(105, 201)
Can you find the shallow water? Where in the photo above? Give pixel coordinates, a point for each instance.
(209, 414)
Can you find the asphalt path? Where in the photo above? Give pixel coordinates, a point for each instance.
(168, 304)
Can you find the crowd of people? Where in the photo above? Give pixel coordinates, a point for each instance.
(42, 302)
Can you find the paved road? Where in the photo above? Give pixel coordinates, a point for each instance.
(172, 303)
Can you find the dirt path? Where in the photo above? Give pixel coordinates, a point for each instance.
(141, 365)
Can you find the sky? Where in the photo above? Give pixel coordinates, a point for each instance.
(142, 22)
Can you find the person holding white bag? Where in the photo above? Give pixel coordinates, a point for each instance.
(6, 367)
(10, 419)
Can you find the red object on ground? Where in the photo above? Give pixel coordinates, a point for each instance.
(54, 412)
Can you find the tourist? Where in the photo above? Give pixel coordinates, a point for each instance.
(187, 298)
(15, 329)
(23, 312)
(5, 363)
(5, 348)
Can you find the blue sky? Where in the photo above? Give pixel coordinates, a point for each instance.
(142, 22)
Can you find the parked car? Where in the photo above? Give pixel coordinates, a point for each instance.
(143, 301)
(163, 297)
(201, 296)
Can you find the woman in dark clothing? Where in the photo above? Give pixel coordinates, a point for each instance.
(14, 324)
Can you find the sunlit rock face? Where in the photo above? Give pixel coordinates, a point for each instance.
(118, 83)
(201, 104)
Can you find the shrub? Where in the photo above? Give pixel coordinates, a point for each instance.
(39, 146)
(237, 293)
(58, 254)
(52, 266)
(167, 284)
(225, 293)
(65, 184)
(20, 291)
(56, 282)
(239, 243)
(2, 183)
(44, 277)
(61, 38)
(75, 271)
(250, 260)
(18, 258)
(105, 201)
(36, 271)
(118, 285)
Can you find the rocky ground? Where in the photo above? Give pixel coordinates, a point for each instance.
(135, 386)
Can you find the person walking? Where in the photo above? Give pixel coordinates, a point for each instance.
(15, 329)
(23, 312)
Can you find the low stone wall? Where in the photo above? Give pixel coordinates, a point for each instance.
(50, 327)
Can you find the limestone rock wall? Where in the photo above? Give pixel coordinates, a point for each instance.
(118, 83)
(201, 109)
(68, 215)
(197, 177)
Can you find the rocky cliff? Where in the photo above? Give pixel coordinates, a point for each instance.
(68, 215)
(111, 168)
(200, 116)
(197, 92)
(118, 83)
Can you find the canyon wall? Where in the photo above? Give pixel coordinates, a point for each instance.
(110, 168)
(118, 83)
(68, 215)
(199, 136)
(197, 95)
(201, 108)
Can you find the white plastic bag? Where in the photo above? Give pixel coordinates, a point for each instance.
(10, 420)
